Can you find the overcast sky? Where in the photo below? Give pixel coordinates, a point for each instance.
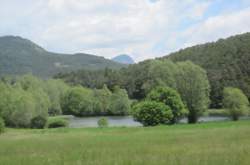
(141, 28)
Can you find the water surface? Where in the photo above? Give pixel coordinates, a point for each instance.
(126, 121)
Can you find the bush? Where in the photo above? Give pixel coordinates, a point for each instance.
(38, 122)
(151, 113)
(235, 102)
(57, 123)
(102, 122)
(2, 126)
(171, 98)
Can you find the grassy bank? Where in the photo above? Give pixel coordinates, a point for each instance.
(207, 143)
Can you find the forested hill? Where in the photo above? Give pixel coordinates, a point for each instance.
(226, 61)
(19, 56)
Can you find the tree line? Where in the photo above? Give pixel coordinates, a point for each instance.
(139, 80)
(27, 97)
(163, 92)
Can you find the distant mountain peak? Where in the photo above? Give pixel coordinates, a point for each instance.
(124, 59)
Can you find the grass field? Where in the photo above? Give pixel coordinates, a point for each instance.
(209, 143)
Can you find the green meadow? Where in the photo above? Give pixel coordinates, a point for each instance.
(207, 143)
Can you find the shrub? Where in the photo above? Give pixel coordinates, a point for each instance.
(102, 122)
(171, 98)
(2, 126)
(57, 122)
(235, 102)
(38, 122)
(151, 113)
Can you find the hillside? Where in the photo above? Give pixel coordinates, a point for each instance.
(124, 59)
(20, 56)
(226, 61)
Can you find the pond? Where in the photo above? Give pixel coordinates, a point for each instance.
(126, 121)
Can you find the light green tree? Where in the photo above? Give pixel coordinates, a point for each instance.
(235, 102)
(55, 89)
(119, 102)
(78, 101)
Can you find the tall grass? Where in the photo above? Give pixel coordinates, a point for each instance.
(209, 143)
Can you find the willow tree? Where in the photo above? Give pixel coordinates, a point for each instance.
(194, 88)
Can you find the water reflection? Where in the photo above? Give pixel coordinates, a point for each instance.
(126, 121)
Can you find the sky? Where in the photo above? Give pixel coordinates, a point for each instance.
(143, 29)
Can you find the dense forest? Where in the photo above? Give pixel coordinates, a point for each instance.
(20, 56)
(226, 61)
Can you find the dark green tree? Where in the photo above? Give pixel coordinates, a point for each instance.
(171, 98)
(151, 113)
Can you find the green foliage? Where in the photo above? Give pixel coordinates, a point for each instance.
(78, 101)
(151, 113)
(35, 87)
(26, 97)
(119, 102)
(235, 102)
(194, 88)
(2, 125)
(55, 89)
(19, 56)
(57, 122)
(17, 106)
(171, 98)
(102, 100)
(103, 122)
(160, 73)
(38, 122)
(226, 62)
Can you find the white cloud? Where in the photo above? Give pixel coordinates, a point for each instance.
(218, 27)
(143, 28)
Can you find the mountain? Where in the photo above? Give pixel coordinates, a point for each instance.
(226, 61)
(19, 56)
(124, 59)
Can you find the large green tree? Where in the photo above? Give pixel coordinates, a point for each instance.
(194, 88)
